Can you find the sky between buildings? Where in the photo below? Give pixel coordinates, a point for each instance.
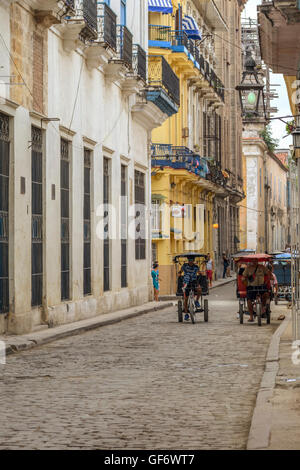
(282, 103)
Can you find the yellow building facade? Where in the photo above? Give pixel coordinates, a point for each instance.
(196, 153)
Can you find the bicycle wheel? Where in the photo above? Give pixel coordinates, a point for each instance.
(268, 314)
(241, 313)
(258, 313)
(206, 310)
(179, 309)
(191, 305)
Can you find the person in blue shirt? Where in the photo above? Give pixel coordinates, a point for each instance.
(155, 280)
(190, 272)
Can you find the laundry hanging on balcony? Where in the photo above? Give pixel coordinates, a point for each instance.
(160, 6)
(191, 28)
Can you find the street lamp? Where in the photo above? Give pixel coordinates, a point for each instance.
(251, 91)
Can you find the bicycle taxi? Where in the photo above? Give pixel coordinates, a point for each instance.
(200, 260)
(242, 262)
(282, 271)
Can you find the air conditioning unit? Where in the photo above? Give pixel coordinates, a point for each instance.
(185, 132)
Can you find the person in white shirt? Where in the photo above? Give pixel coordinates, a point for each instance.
(209, 269)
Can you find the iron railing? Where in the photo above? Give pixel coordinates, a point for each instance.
(178, 157)
(206, 70)
(159, 33)
(180, 38)
(107, 25)
(89, 12)
(124, 45)
(139, 62)
(161, 75)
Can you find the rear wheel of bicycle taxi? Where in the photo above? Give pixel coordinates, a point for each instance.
(179, 309)
(241, 313)
(192, 310)
(205, 310)
(258, 313)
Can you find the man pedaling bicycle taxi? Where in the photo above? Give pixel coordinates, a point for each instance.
(256, 277)
(190, 271)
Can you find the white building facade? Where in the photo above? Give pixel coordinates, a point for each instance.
(74, 160)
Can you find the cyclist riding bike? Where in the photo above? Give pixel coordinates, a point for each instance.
(256, 277)
(190, 271)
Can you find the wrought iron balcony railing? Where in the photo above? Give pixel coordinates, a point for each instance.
(159, 33)
(180, 38)
(139, 62)
(206, 70)
(107, 25)
(161, 75)
(178, 158)
(215, 174)
(89, 12)
(124, 45)
(192, 47)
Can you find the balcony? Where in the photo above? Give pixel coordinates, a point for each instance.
(120, 67)
(139, 61)
(124, 45)
(50, 12)
(212, 14)
(159, 36)
(107, 26)
(80, 28)
(104, 48)
(279, 30)
(178, 158)
(161, 76)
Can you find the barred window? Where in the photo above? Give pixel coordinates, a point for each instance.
(37, 217)
(140, 236)
(106, 244)
(87, 285)
(65, 218)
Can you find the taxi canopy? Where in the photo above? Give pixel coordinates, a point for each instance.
(260, 257)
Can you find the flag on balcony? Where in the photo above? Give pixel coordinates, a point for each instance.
(191, 28)
(160, 6)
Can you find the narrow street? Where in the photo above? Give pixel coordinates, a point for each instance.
(145, 383)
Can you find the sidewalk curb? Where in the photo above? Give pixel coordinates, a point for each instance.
(29, 341)
(260, 430)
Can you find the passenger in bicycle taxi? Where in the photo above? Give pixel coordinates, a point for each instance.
(256, 277)
(190, 271)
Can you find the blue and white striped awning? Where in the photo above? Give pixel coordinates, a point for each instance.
(160, 6)
(191, 28)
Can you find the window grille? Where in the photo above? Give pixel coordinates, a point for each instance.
(106, 244)
(140, 241)
(37, 217)
(65, 219)
(124, 217)
(87, 287)
(4, 207)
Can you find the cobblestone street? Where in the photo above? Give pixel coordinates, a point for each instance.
(144, 383)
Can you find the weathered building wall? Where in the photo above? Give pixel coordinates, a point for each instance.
(93, 113)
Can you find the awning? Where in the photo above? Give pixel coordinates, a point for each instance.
(191, 28)
(160, 6)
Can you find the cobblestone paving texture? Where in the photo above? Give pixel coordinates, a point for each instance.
(145, 383)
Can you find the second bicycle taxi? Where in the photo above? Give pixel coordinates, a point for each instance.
(257, 297)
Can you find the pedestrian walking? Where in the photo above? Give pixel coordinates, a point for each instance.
(209, 269)
(155, 281)
(225, 264)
